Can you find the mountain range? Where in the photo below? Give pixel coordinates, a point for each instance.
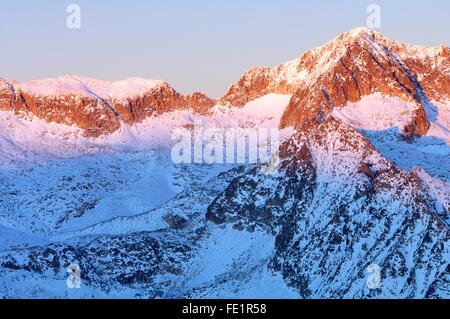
(363, 177)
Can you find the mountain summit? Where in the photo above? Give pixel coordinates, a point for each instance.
(353, 65)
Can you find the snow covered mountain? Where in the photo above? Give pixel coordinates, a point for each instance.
(357, 63)
(97, 107)
(87, 179)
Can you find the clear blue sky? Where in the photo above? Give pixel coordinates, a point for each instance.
(192, 44)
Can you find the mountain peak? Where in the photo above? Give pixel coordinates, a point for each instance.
(357, 63)
(356, 35)
(358, 31)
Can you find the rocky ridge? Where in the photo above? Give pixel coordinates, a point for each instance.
(97, 107)
(353, 65)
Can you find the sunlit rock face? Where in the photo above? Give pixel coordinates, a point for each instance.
(355, 64)
(97, 107)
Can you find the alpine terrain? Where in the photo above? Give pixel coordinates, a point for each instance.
(355, 204)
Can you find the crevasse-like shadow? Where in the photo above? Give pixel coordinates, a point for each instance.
(428, 152)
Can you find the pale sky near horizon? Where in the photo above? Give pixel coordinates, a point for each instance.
(194, 45)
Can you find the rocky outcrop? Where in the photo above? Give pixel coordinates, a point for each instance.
(96, 113)
(255, 83)
(418, 125)
(199, 102)
(106, 263)
(8, 98)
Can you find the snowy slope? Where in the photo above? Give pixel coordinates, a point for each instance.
(82, 86)
(18, 135)
(382, 118)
